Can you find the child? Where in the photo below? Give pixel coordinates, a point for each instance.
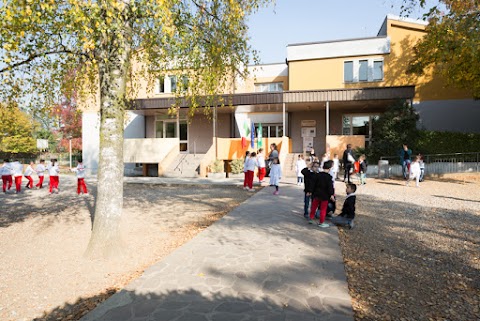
(17, 168)
(336, 166)
(7, 175)
(275, 175)
(247, 156)
(363, 169)
(81, 186)
(250, 163)
(414, 172)
(262, 170)
(422, 167)
(348, 210)
(40, 169)
(28, 175)
(322, 191)
(308, 174)
(299, 166)
(53, 171)
(312, 154)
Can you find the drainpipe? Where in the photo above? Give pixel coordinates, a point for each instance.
(327, 117)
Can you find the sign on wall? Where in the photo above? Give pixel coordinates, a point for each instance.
(308, 123)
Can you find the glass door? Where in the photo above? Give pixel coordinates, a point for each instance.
(183, 136)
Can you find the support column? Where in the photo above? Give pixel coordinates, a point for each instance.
(327, 118)
(283, 121)
(215, 130)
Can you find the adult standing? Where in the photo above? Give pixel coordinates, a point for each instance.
(405, 160)
(348, 161)
(273, 152)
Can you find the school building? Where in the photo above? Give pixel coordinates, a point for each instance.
(324, 95)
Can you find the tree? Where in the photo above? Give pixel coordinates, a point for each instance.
(397, 126)
(52, 47)
(69, 124)
(16, 129)
(452, 43)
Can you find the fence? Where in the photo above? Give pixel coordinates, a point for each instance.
(440, 163)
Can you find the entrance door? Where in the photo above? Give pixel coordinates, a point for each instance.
(183, 136)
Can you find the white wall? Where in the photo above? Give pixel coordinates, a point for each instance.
(90, 141)
(340, 48)
(134, 128)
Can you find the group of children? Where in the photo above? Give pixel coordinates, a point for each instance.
(319, 182)
(252, 160)
(13, 171)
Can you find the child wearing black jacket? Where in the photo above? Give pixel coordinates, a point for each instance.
(308, 174)
(321, 190)
(348, 211)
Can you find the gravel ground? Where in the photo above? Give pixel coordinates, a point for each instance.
(43, 238)
(414, 253)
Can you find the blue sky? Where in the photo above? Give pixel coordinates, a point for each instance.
(297, 21)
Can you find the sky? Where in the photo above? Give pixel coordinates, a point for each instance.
(298, 21)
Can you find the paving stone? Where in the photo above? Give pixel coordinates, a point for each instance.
(263, 265)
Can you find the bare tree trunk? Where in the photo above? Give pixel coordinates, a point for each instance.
(105, 240)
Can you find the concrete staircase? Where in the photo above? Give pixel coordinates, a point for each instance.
(184, 165)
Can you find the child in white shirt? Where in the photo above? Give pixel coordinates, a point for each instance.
(40, 170)
(28, 175)
(299, 166)
(250, 164)
(53, 171)
(6, 175)
(17, 168)
(81, 186)
(415, 172)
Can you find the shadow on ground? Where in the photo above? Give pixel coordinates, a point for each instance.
(411, 262)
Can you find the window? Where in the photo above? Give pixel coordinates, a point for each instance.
(184, 83)
(348, 71)
(270, 130)
(363, 70)
(161, 84)
(378, 70)
(173, 83)
(269, 87)
(358, 125)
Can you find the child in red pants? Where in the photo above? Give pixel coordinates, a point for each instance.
(28, 175)
(40, 169)
(321, 190)
(81, 186)
(6, 172)
(17, 174)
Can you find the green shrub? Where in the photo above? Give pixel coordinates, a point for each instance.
(217, 166)
(431, 142)
(236, 166)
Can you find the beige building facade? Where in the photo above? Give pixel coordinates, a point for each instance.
(324, 95)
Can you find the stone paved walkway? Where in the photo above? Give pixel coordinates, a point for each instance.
(262, 261)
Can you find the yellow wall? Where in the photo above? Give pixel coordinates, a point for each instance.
(248, 86)
(321, 74)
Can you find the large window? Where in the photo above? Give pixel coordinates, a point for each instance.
(358, 125)
(169, 84)
(378, 70)
(270, 130)
(363, 70)
(348, 71)
(269, 87)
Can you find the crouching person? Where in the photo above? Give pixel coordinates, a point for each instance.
(348, 210)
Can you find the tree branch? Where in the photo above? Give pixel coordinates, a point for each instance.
(32, 57)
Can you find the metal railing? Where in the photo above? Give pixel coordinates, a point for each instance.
(440, 163)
